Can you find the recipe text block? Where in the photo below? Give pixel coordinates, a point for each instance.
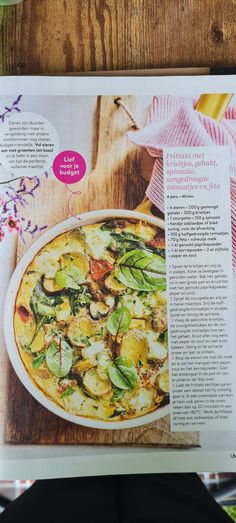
(200, 290)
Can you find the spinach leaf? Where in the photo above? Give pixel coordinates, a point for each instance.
(125, 236)
(166, 339)
(43, 305)
(119, 321)
(107, 226)
(41, 321)
(141, 270)
(43, 308)
(67, 392)
(122, 374)
(81, 299)
(38, 361)
(59, 358)
(118, 394)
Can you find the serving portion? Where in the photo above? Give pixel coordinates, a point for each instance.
(90, 320)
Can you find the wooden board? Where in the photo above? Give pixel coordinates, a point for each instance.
(51, 36)
(113, 183)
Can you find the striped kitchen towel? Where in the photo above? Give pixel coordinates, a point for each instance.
(174, 122)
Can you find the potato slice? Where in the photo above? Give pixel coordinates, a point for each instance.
(84, 365)
(25, 326)
(163, 382)
(39, 342)
(79, 327)
(75, 259)
(113, 285)
(63, 311)
(94, 385)
(138, 324)
(50, 287)
(134, 346)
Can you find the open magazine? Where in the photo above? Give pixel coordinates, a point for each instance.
(117, 255)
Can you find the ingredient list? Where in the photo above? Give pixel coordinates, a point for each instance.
(200, 288)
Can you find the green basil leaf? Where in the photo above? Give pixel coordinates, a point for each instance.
(69, 278)
(119, 321)
(36, 362)
(59, 358)
(67, 392)
(141, 270)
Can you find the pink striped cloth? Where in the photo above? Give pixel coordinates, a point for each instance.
(174, 122)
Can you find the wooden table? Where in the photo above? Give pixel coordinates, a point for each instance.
(58, 36)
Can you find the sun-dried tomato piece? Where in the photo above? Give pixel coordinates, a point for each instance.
(99, 269)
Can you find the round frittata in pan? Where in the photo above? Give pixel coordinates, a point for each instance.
(90, 320)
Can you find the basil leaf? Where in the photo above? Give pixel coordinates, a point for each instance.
(36, 362)
(119, 321)
(59, 358)
(69, 278)
(141, 270)
(69, 390)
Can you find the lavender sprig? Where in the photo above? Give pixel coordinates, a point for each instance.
(14, 107)
(18, 198)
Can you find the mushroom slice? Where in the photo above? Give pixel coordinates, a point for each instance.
(99, 309)
(163, 382)
(159, 321)
(50, 287)
(94, 385)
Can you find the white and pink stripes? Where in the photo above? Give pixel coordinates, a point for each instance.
(174, 122)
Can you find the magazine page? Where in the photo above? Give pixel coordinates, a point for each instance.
(117, 255)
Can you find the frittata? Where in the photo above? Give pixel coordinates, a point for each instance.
(91, 323)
